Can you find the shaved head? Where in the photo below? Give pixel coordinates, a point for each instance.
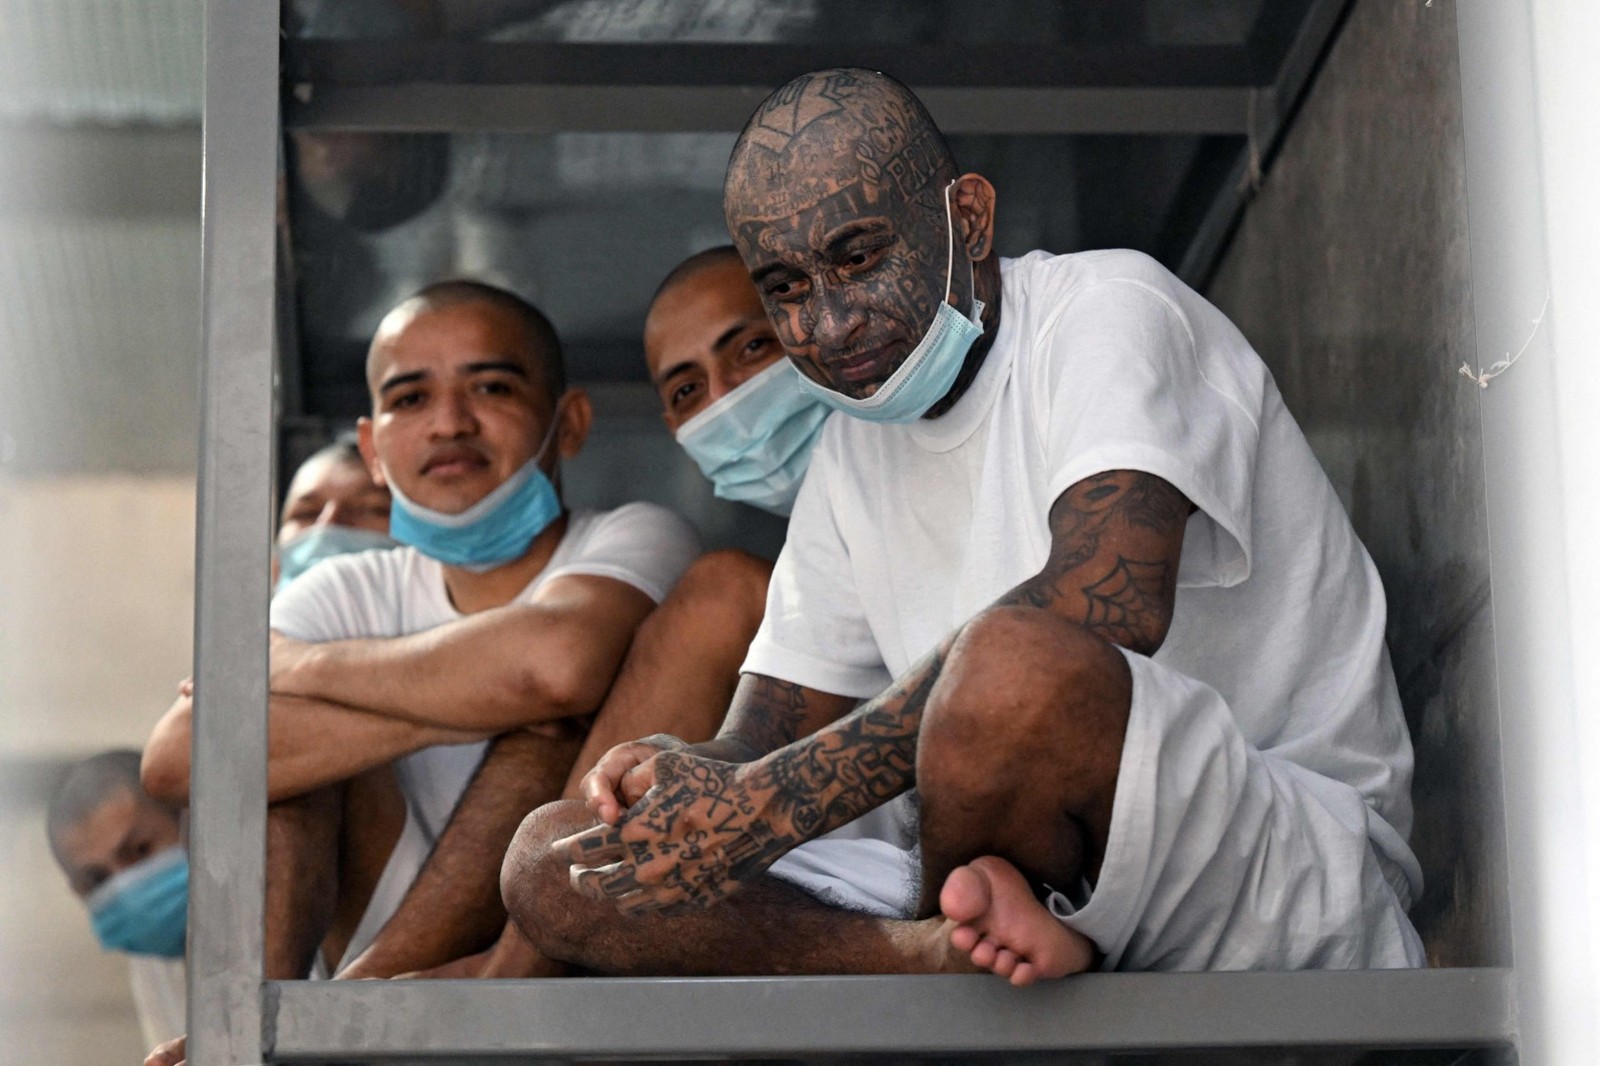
(87, 785)
(541, 342)
(830, 126)
(847, 209)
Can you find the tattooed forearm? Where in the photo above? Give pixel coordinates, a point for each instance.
(858, 763)
(708, 826)
(1113, 566)
(768, 713)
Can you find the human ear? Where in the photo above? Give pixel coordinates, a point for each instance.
(369, 452)
(577, 415)
(973, 203)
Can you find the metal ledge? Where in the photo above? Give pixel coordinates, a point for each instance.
(440, 108)
(372, 1021)
(1042, 65)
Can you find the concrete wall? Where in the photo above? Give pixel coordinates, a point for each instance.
(1350, 274)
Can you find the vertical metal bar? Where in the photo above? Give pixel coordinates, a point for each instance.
(1528, 553)
(228, 793)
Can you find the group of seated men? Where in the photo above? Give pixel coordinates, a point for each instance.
(1071, 657)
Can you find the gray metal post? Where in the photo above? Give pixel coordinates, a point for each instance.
(228, 821)
(1528, 563)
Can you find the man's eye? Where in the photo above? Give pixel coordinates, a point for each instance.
(785, 290)
(495, 388)
(758, 346)
(682, 393)
(404, 400)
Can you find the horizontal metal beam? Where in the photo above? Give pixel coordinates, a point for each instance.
(427, 107)
(666, 63)
(659, 1018)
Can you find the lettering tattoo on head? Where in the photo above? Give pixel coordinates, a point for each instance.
(835, 196)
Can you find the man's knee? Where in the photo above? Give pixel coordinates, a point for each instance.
(1020, 683)
(729, 585)
(534, 878)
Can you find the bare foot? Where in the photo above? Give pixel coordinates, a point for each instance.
(1000, 925)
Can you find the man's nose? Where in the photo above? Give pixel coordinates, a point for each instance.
(453, 416)
(724, 380)
(836, 319)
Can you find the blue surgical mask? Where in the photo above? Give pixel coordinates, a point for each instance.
(493, 531)
(930, 371)
(321, 542)
(145, 908)
(755, 443)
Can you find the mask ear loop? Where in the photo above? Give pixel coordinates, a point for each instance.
(950, 254)
(549, 436)
(950, 241)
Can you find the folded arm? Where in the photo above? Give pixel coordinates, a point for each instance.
(703, 825)
(310, 744)
(511, 666)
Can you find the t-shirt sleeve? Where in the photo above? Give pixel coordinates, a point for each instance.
(815, 632)
(1129, 380)
(640, 544)
(342, 598)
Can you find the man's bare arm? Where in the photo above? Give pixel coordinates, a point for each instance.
(706, 825)
(496, 670)
(310, 744)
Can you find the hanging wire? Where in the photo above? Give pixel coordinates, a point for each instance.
(1483, 377)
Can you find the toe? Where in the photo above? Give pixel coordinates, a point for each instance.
(965, 895)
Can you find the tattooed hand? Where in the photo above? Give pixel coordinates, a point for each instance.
(702, 830)
(616, 783)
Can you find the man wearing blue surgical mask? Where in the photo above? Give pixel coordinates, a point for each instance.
(1065, 576)
(332, 506)
(502, 615)
(122, 851)
(727, 394)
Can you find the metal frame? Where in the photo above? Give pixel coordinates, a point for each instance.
(812, 1016)
(227, 825)
(237, 1018)
(1265, 126)
(1540, 747)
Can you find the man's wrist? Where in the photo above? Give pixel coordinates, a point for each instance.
(726, 749)
(300, 667)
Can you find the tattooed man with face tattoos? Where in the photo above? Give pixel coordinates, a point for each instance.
(1065, 592)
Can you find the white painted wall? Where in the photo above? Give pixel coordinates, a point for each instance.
(97, 588)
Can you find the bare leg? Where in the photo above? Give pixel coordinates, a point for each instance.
(1017, 767)
(767, 928)
(678, 678)
(325, 852)
(682, 668)
(453, 907)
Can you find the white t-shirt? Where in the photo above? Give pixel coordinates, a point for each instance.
(1105, 361)
(397, 591)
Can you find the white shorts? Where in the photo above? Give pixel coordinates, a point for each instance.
(1220, 857)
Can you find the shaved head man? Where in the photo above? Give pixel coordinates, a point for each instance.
(426, 697)
(1067, 569)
